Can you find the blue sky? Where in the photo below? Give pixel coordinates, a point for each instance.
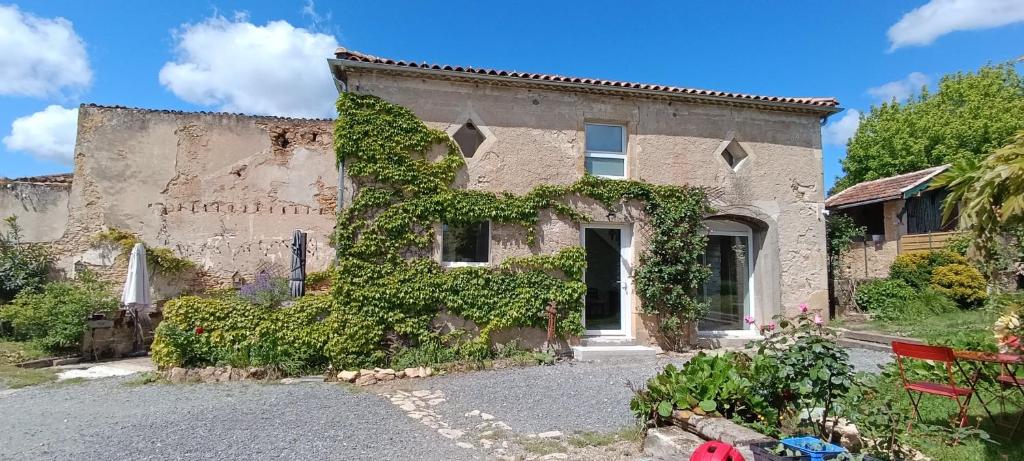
(268, 57)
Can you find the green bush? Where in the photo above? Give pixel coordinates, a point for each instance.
(54, 316)
(915, 269)
(23, 266)
(706, 384)
(885, 298)
(231, 331)
(961, 283)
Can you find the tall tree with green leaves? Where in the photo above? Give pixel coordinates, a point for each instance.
(988, 196)
(969, 116)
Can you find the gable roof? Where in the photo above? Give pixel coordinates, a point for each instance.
(884, 189)
(349, 58)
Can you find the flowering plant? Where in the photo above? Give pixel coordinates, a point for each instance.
(1008, 332)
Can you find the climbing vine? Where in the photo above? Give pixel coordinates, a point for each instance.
(162, 260)
(388, 280)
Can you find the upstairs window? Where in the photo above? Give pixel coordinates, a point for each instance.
(465, 244)
(469, 138)
(605, 154)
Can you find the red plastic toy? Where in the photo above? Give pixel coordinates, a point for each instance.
(716, 451)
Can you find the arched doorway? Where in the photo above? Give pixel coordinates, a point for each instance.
(730, 288)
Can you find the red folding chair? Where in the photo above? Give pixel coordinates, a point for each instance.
(948, 390)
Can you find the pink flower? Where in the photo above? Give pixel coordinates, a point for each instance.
(749, 319)
(817, 319)
(803, 308)
(770, 327)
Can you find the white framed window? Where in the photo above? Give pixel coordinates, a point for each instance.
(466, 244)
(605, 150)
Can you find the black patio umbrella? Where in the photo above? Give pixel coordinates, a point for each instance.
(297, 281)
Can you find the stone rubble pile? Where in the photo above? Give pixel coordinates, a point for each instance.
(218, 374)
(366, 377)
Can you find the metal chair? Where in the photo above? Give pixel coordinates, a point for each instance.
(961, 395)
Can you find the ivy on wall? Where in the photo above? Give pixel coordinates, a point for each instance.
(162, 260)
(388, 279)
(387, 286)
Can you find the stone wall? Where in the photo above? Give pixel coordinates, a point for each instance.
(535, 136)
(40, 203)
(225, 191)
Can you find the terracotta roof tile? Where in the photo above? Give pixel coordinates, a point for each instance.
(355, 56)
(880, 190)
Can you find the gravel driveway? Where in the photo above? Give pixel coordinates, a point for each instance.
(109, 419)
(452, 417)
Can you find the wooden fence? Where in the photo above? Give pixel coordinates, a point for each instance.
(925, 242)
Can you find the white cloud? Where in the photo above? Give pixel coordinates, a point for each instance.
(837, 132)
(899, 90)
(40, 57)
(236, 66)
(928, 22)
(48, 134)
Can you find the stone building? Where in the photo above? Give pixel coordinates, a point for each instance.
(898, 213)
(759, 156)
(226, 191)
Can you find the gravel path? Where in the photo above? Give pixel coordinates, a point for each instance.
(569, 397)
(106, 419)
(868, 360)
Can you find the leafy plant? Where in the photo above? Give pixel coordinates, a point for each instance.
(840, 233)
(915, 269)
(813, 370)
(987, 195)
(162, 260)
(265, 291)
(23, 266)
(55, 316)
(884, 298)
(961, 283)
(706, 384)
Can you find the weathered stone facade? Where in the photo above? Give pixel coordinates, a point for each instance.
(225, 191)
(535, 136)
(39, 203)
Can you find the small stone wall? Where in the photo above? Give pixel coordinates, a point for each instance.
(107, 338)
(180, 375)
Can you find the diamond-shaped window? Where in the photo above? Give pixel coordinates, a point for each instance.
(734, 155)
(469, 138)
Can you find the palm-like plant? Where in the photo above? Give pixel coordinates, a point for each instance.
(988, 195)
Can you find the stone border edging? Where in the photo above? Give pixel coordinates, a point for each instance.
(367, 377)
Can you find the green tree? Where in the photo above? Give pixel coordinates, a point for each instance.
(969, 116)
(988, 195)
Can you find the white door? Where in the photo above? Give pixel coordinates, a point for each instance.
(606, 309)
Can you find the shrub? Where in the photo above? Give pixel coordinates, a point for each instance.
(230, 330)
(23, 266)
(885, 298)
(961, 283)
(705, 385)
(265, 291)
(915, 269)
(54, 317)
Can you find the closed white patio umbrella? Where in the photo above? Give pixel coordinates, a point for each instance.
(135, 296)
(136, 285)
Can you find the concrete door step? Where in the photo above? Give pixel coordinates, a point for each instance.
(613, 352)
(607, 341)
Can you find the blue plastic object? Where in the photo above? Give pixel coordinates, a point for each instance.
(810, 446)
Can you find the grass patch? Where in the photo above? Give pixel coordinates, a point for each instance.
(957, 329)
(600, 439)
(938, 411)
(539, 446)
(14, 352)
(13, 377)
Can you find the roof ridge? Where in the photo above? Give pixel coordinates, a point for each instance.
(829, 103)
(203, 112)
(887, 178)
